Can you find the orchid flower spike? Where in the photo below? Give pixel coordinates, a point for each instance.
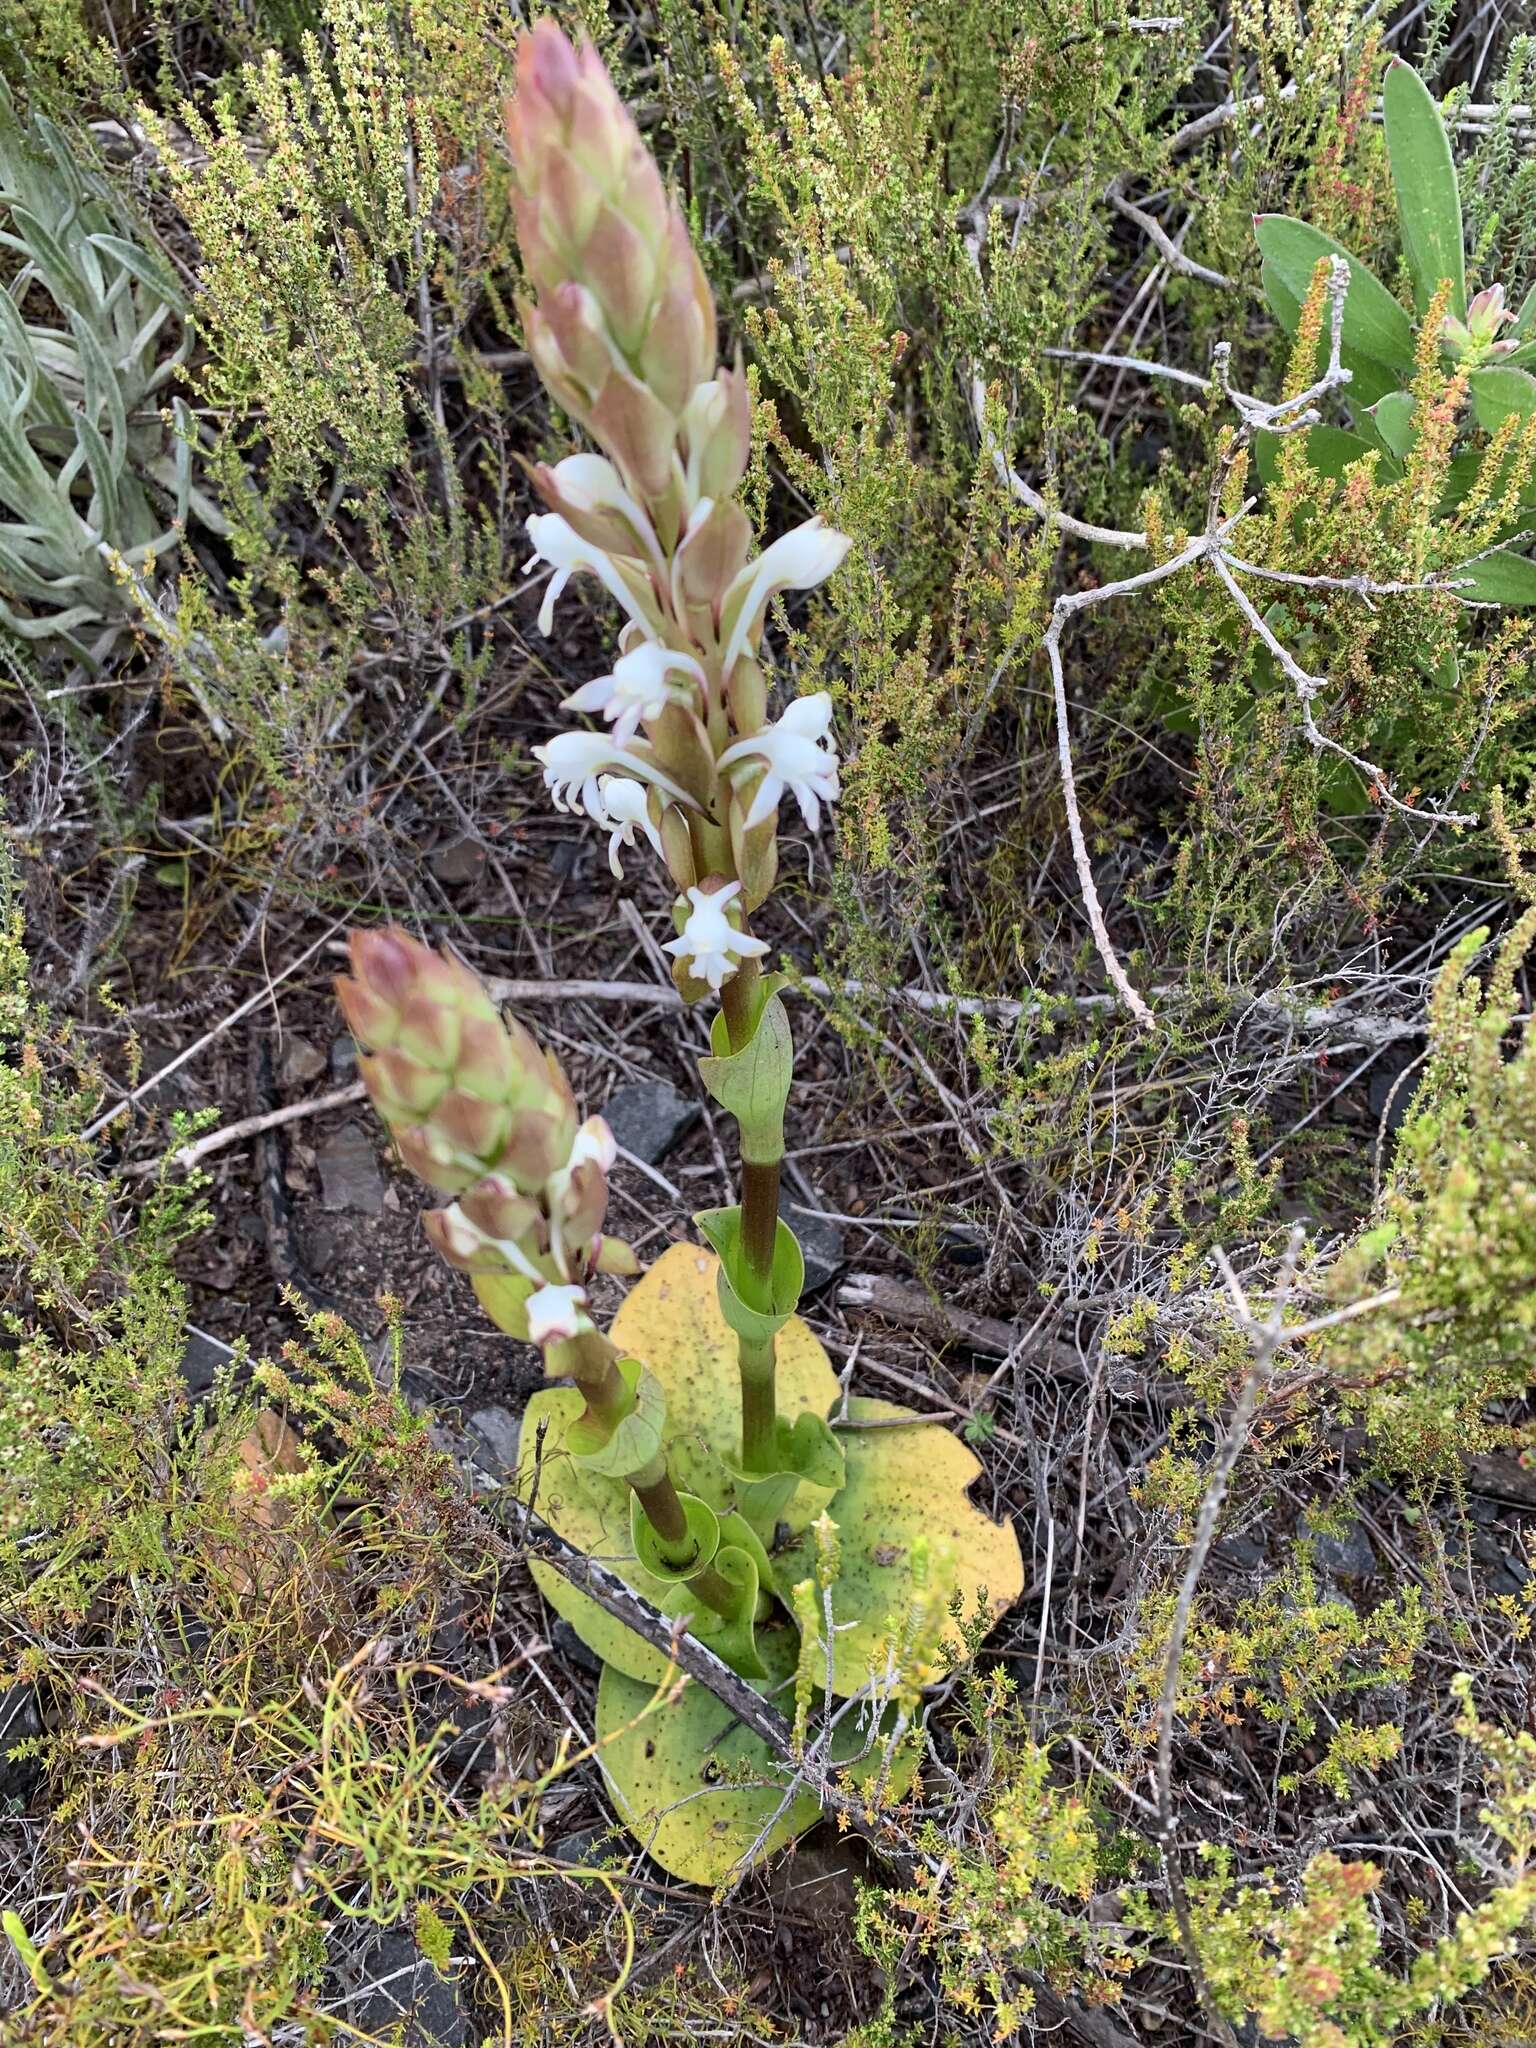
(709, 945)
(639, 689)
(800, 756)
(575, 760)
(625, 813)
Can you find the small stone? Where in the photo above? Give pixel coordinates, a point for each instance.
(586, 1846)
(1239, 1553)
(496, 1432)
(820, 1241)
(961, 1248)
(1392, 1086)
(201, 1358)
(648, 1117)
(1349, 1556)
(570, 859)
(343, 1058)
(349, 1172)
(397, 1988)
(20, 1721)
(301, 1064)
(460, 861)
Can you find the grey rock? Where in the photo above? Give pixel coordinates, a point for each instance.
(648, 1117)
(201, 1358)
(497, 1431)
(349, 1172)
(959, 1247)
(820, 1241)
(392, 1985)
(587, 1845)
(565, 1639)
(571, 859)
(1391, 1089)
(460, 861)
(1239, 1553)
(20, 1721)
(1349, 1556)
(343, 1058)
(301, 1064)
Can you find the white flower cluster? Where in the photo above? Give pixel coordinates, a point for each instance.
(615, 777)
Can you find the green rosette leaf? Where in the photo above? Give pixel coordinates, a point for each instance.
(675, 1772)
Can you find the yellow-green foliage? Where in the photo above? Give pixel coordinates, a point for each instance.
(236, 1632)
(1455, 1234)
(309, 194)
(1309, 1969)
(1009, 1899)
(1284, 1657)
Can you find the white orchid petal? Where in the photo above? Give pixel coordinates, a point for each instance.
(557, 542)
(709, 945)
(555, 1313)
(798, 560)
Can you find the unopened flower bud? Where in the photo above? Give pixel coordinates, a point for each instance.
(462, 1092)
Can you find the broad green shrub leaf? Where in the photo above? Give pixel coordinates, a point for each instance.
(665, 1770)
(1498, 391)
(1375, 325)
(1369, 380)
(1392, 418)
(1330, 452)
(908, 1539)
(1499, 578)
(671, 1322)
(1424, 179)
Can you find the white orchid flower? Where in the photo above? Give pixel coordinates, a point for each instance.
(639, 689)
(463, 1237)
(595, 1140)
(557, 542)
(624, 814)
(709, 945)
(573, 761)
(797, 561)
(555, 1313)
(800, 756)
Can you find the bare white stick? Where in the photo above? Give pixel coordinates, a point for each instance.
(186, 1156)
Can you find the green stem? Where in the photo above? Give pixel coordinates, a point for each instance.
(664, 1511)
(759, 1240)
(759, 1413)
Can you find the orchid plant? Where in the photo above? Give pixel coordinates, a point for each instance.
(705, 1447)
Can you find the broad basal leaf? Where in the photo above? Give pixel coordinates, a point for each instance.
(671, 1322)
(908, 1537)
(1374, 323)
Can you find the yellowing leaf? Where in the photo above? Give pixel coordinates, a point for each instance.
(908, 1538)
(671, 1322)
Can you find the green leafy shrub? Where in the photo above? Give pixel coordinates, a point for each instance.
(1454, 1237)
